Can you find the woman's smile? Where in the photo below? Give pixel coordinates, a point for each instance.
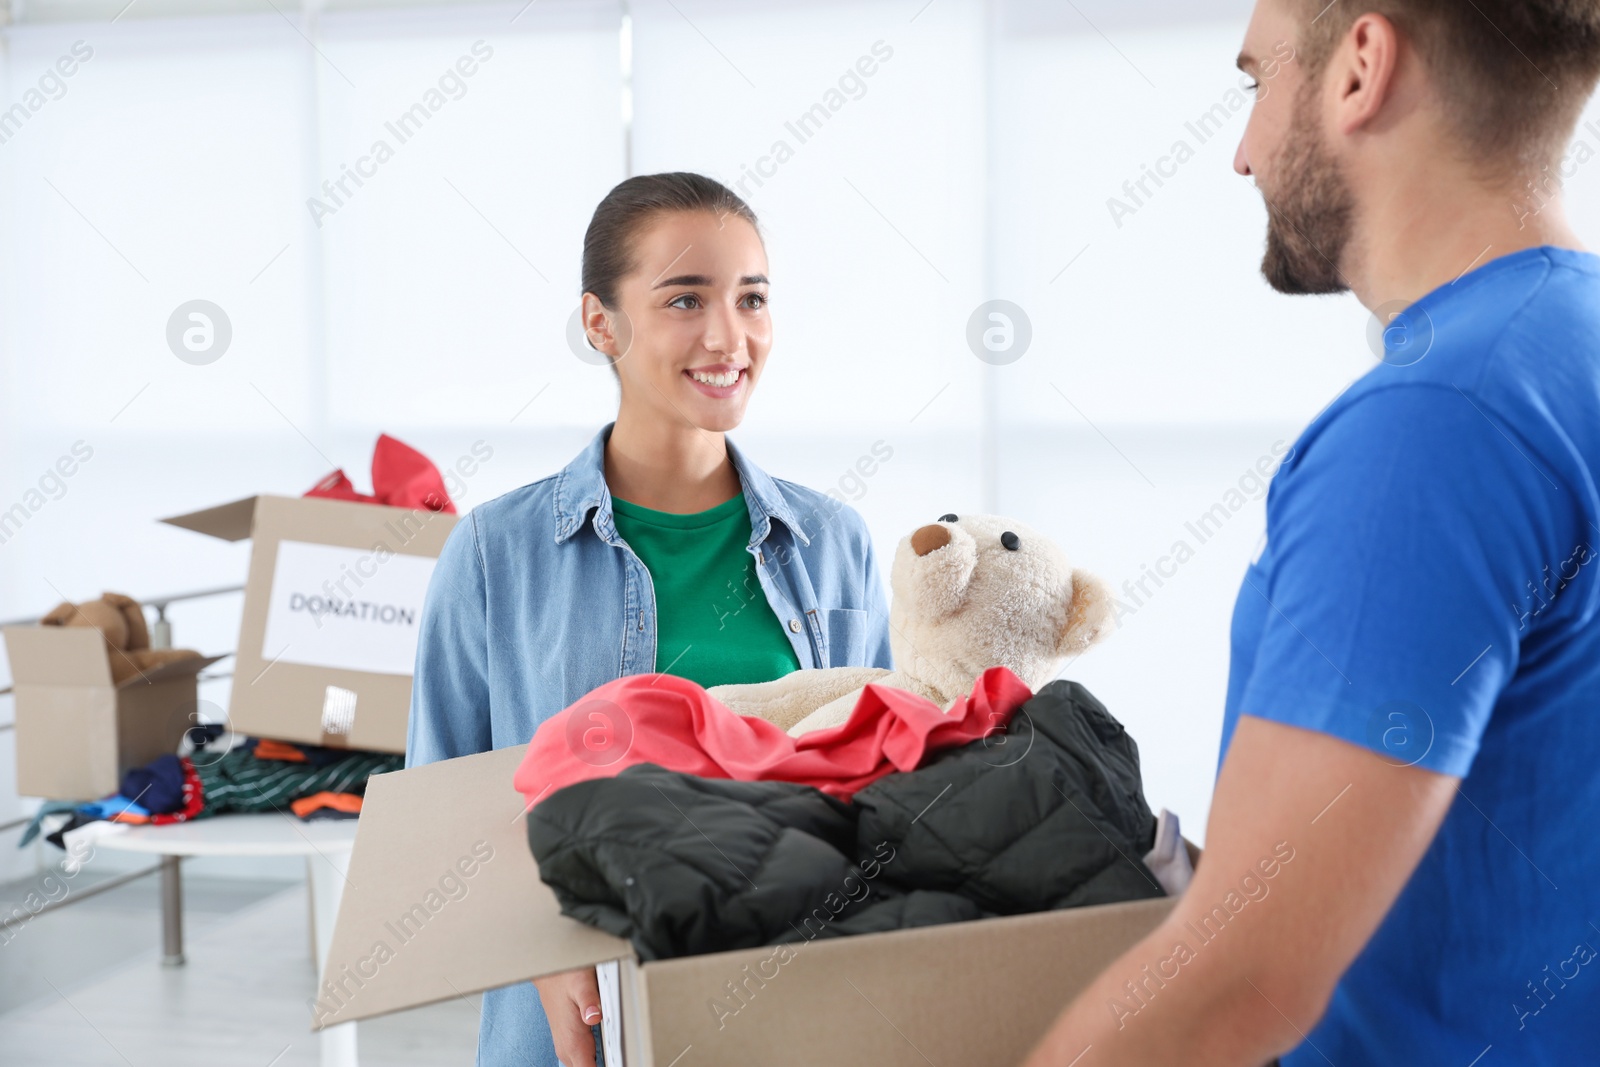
(719, 380)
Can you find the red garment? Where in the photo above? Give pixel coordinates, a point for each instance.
(673, 722)
(402, 477)
(194, 799)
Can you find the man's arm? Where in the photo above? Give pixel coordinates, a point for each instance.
(1340, 828)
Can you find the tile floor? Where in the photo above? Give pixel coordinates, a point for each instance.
(84, 986)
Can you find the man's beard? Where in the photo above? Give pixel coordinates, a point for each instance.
(1310, 212)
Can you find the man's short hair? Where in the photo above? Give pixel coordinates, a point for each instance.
(1514, 75)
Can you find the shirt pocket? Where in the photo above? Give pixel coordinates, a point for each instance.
(846, 629)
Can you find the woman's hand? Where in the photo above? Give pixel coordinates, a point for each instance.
(571, 1002)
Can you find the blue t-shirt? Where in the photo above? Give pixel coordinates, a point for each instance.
(1429, 589)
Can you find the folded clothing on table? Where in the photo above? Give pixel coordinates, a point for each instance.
(1049, 813)
(254, 775)
(240, 780)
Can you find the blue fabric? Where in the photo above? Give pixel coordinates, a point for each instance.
(1429, 590)
(536, 600)
(158, 785)
(115, 804)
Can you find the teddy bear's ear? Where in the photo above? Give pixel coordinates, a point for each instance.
(60, 615)
(133, 614)
(99, 614)
(1089, 618)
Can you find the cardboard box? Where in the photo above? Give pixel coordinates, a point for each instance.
(332, 607)
(76, 732)
(443, 899)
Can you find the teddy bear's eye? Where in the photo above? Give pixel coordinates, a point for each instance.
(1010, 540)
(947, 517)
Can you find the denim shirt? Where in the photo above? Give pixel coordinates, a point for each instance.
(536, 600)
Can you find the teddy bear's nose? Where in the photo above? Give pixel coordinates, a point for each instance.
(928, 538)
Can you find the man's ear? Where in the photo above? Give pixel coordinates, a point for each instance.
(1364, 67)
(1089, 616)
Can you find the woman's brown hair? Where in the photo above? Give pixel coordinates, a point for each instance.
(634, 203)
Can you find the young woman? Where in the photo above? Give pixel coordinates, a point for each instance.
(660, 547)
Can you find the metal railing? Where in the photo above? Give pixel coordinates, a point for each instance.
(161, 632)
(82, 894)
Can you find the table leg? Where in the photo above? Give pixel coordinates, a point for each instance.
(311, 920)
(171, 912)
(326, 873)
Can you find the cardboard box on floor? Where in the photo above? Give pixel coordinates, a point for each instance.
(443, 899)
(332, 606)
(76, 731)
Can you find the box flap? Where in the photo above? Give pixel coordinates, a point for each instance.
(443, 898)
(57, 655)
(183, 668)
(230, 521)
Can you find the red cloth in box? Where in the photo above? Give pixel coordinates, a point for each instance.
(402, 477)
(676, 724)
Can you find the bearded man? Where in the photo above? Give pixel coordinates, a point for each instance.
(1409, 789)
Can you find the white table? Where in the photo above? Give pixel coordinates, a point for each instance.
(325, 844)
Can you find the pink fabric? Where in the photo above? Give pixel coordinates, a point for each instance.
(402, 477)
(673, 722)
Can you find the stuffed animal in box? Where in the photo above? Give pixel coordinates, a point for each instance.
(120, 621)
(969, 593)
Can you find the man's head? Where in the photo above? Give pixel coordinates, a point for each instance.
(1377, 89)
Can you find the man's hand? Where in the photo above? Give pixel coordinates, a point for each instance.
(1310, 841)
(571, 1002)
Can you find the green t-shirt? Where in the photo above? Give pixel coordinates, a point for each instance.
(714, 625)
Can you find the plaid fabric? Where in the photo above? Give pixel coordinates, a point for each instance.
(239, 781)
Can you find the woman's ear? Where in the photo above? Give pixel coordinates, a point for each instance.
(609, 331)
(1089, 614)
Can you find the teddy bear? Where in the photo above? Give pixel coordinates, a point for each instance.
(120, 621)
(969, 593)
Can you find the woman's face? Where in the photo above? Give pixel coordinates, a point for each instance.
(693, 330)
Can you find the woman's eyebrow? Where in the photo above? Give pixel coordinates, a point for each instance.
(705, 280)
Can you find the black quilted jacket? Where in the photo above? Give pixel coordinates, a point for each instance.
(1050, 814)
